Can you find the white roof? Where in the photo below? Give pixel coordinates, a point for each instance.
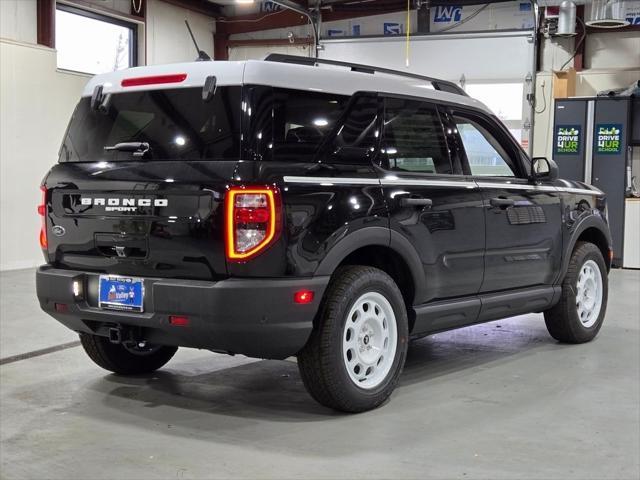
(323, 78)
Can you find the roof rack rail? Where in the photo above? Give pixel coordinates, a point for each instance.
(442, 85)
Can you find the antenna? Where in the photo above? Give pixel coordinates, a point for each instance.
(202, 55)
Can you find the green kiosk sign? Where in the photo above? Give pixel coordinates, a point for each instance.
(608, 139)
(568, 138)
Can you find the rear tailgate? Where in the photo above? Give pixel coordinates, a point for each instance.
(158, 219)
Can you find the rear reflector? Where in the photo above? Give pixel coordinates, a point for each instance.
(154, 80)
(178, 320)
(303, 296)
(61, 307)
(42, 211)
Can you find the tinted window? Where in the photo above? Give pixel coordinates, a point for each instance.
(301, 122)
(413, 138)
(357, 134)
(258, 111)
(176, 123)
(485, 155)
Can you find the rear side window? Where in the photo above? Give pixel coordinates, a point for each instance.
(413, 139)
(301, 122)
(177, 124)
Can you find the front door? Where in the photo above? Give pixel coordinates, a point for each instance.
(437, 210)
(523, 221)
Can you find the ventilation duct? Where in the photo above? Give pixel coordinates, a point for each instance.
(606, 14)
(567, 19)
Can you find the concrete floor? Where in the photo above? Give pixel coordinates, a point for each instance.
(501, 400)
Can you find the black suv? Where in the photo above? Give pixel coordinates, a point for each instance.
(298, 207)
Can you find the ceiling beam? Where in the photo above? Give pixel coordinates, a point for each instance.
(199, 6)
(260, 21)
(286, 18)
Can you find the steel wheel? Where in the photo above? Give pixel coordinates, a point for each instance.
(369, 340)
(589, 293)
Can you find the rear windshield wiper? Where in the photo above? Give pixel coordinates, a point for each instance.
(139, 149)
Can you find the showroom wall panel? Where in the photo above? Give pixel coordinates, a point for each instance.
(36, 103)
(37, 100)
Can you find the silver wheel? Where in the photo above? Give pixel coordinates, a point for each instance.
(589, 293)
(369, 340)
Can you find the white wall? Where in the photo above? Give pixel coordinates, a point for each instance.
(18, 20)
(168, 40)
(36, 103)
(37, 100)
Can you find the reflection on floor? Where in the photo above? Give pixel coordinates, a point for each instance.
(501, 400)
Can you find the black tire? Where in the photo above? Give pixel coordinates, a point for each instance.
(118, 359)
(321, 363)
(563, 320)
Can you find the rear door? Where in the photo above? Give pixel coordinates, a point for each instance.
(430, 203)
(523, 221)
(157, 214)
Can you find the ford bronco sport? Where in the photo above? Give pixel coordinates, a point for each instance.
(309, 208)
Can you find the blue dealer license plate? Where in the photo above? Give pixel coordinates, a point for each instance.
(121, 293)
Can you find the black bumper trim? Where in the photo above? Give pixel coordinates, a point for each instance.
(253, 317)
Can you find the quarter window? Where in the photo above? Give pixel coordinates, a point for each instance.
(302, 120)
(413, 138)
(357, 134)
(485, 155)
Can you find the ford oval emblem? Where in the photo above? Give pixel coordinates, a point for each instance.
(58, 231)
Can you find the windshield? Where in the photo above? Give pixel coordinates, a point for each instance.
(177, 124)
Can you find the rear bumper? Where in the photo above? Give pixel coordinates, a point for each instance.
(253, 317)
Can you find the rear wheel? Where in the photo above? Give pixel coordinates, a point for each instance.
(357, 350)
(126, 359)
(579, 314)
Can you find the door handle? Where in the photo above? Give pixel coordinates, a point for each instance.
(416, 202)
(502, 202)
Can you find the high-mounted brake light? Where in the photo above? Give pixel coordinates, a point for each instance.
(252, 218)
(42, 211)
(154, 80)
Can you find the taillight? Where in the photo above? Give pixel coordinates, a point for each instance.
(42, 211)
(252, 217)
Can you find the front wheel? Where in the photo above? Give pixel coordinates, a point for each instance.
(579, 314)
(358, 347)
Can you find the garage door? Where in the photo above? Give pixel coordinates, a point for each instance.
(254, 52)
(493, 67)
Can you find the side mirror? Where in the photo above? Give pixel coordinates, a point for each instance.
(544, 169)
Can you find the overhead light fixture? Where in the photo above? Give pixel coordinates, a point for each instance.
(321, 122)
(567, 19)
(607, 14)
(244, 1)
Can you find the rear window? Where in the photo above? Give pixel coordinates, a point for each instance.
(176, 123)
